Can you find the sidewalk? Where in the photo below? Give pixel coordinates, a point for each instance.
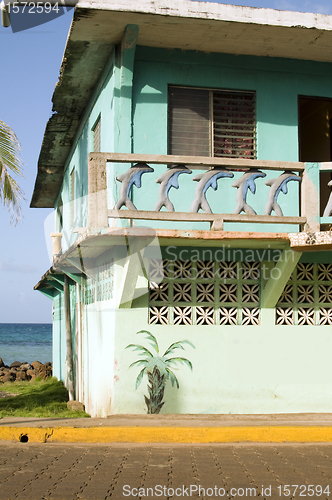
(274, 428)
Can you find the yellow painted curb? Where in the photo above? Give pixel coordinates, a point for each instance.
(260, 434)
(34, 434)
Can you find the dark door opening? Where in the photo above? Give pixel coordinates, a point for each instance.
(315, 143)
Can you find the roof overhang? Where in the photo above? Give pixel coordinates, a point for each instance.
(98, 27)
(82, 258)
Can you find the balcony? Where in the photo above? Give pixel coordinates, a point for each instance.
(128, 174)
(215, 169)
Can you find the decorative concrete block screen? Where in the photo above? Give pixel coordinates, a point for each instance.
(100, 287)
(307, 297)
(204, 293)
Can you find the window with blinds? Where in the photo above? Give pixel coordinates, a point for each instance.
(204, 122)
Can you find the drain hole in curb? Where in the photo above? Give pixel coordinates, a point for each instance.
(24, 438)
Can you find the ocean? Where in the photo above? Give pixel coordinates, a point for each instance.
(25, 342)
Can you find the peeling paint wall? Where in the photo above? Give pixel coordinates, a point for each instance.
(101, 104)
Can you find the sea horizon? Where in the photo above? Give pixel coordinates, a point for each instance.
(25, 342)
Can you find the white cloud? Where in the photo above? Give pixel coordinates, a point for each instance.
(12, 267)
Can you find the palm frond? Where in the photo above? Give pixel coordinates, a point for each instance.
(139, 362)
(144, 350)
(173, 378)
(139, 378)
(180, 360)
(10, 163)
(152, 339)
(177, 345)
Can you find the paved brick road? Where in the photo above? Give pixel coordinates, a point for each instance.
(97, 472)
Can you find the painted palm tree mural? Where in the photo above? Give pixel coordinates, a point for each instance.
(158, 369)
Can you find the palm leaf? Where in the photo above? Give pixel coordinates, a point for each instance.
(10, 163)
(139, 378)
(180, 360)
(173, 378)
(177, 345)
(139, 362)
(152, 339)
(144, 350)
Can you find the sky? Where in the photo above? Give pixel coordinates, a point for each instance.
(29, 67)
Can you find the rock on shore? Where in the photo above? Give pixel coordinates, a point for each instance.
(24, 371)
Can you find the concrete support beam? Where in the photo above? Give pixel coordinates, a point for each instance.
(97, 194)
(70, 379)
(77, 278)
(310, 197)
(124, 73)
(48, 292)
(58, 286)
(134, 266)
(278, 277)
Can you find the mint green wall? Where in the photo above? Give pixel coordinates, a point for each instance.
(277, 82)
(236, 369)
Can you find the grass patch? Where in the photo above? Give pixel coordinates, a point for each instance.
(37, 398)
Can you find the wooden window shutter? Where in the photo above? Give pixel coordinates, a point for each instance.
(72, 198)
(234, 124)
(96, 136)
(189, 122)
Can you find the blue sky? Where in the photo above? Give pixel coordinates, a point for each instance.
(30, 62)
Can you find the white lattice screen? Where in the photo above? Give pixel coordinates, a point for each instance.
(307, 297)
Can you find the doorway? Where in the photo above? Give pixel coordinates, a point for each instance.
(315, 142)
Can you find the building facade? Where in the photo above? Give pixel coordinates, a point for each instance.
(189, 167)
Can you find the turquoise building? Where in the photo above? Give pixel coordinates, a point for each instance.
(188, 162)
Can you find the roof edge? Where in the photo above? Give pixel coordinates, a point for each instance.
(214, 11)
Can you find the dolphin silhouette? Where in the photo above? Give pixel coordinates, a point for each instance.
(205, 181)
(328, 208)
(132, 177)
(167, 180)
(276, 185)
(245, 182)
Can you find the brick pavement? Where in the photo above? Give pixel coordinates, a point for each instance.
(98, 472)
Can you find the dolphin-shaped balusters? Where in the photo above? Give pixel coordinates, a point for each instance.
(277, 185)
(167, 180)
(133, 176)
(206, 180)
(328, 208)
(245, 182)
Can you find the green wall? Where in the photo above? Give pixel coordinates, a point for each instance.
(277, 82)
(142, 87)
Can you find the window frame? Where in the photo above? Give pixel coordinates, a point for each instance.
(211, 91)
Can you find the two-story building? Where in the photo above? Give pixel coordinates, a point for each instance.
(188, 161)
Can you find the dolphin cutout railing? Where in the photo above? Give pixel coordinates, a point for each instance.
(215, 169)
